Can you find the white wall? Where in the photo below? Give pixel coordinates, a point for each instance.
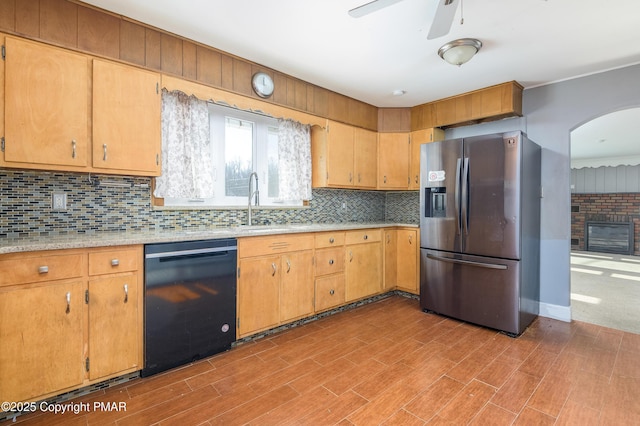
(551, 112)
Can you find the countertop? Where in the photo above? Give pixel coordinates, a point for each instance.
(106, 239)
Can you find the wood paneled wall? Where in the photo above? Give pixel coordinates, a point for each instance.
(75, 25)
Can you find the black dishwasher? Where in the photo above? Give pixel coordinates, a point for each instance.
(189, 302)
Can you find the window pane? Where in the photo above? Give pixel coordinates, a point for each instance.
(238, 156)
(272, 158)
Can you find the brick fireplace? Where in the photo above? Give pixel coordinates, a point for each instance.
(615, 209)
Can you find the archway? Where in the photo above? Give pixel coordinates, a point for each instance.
(605, 220)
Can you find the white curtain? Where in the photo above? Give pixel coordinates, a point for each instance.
(294, 160)
(187, 167)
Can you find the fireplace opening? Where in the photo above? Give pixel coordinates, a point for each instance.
(609, 237)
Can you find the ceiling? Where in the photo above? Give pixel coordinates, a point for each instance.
(534, 42)
(531, 41)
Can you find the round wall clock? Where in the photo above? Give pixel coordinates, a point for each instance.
(262, 84)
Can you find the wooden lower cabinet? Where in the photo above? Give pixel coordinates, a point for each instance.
(258, 294)
(61, 327)
(114, 340)
(42, 335)
(407, 260)
(363, 264)
(329, 270)
(275, 281)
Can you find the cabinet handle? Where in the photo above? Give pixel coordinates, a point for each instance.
(104, 152)
(417, 178)
(330, 261)
(350, 177)
(73, 149)
(410, 239)
(350, 256)
(115, 262)
(43, 269)
(126, 293)
(385, 179)
(273, 265)
(332, 292)
(288, 265)
(68, 302)
(388, 238)
(158, 160)
(358, 177)
(331, 240)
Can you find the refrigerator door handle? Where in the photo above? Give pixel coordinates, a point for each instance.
(467, 262)
(465, 196)
(457, 195)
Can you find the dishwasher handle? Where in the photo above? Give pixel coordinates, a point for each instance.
(190, 252)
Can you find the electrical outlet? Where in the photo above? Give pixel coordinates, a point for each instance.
(344, 205)
(58, 201)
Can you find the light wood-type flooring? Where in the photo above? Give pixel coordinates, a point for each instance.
(390, 363)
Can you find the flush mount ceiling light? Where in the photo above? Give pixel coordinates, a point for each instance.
(457, 52)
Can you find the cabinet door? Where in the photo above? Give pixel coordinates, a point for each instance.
(364, 270)
(296, 286)
(393, 160)
(46, 110)
(340, 155)
(418, 138)
(366, 158)
(41, 330)
(390, 259)
(407, 259)
(126, 119)
(113, 325)
(258, 294)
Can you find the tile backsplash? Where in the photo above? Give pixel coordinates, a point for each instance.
(103, 203)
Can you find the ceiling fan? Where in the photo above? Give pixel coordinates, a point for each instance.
(445, 10)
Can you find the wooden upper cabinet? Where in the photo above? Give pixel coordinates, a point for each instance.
(343, 156)
(393, 160)
(491, 103)
(46, 107)
(365, 158)
(126, 119)
(418, 138)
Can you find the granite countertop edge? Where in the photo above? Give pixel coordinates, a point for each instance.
(122, 238)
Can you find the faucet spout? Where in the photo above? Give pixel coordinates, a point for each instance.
(252, 193)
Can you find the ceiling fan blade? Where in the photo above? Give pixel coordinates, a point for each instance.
(370, 7)
(443, 18)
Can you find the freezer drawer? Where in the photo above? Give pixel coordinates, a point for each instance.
(475, 289)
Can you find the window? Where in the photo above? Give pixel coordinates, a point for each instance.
(242, 143)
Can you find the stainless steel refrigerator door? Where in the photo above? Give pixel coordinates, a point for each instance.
(471, 288)
(491, 195)
(440, 169)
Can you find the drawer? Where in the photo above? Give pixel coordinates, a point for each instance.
(329, 261)
(329, 239)
(118, 260)
(26, 269)
(363, 236)
(330, 291)
(261, 246)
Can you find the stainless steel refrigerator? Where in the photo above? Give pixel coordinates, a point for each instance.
(480, 230)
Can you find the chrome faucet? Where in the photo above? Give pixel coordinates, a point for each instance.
(251, 194)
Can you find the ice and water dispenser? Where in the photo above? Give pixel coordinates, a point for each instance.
(435, 201)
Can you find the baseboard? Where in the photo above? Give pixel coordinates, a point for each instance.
(562, 313)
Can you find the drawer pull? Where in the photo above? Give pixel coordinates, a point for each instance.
(275, 269)
(331, 240)
(115, 262)
(68, 302)
(43, 269)
(366, 237)
(332, 292)
(126, 293)
(330, 261)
